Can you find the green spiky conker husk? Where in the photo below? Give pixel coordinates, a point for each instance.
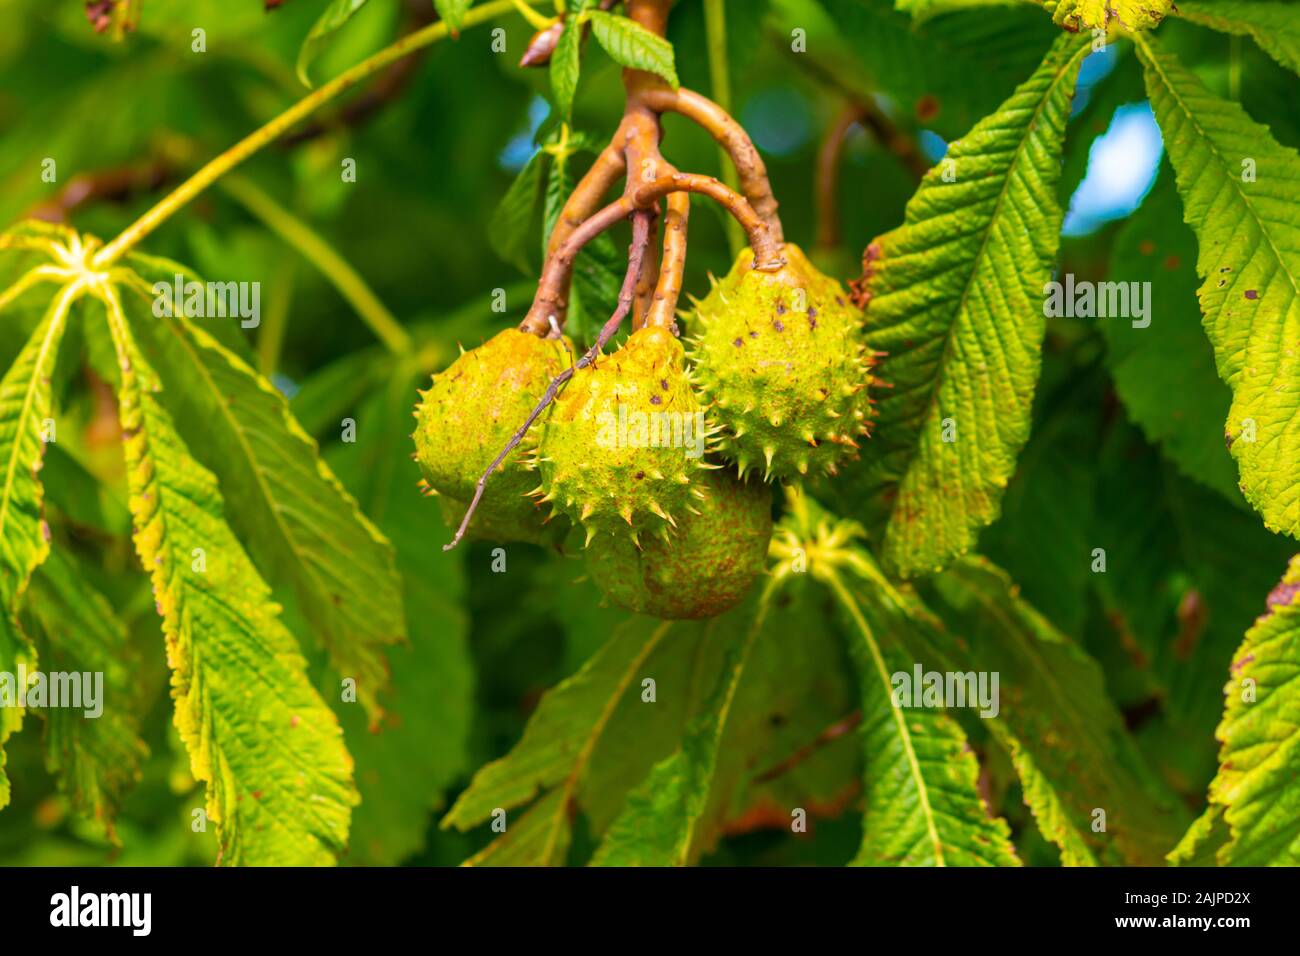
(780, 360)
(469, 413)
(704, 568)
(604, 464)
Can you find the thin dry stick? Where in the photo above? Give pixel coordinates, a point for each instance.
(732, 137)
(635, 257)
(663, 310)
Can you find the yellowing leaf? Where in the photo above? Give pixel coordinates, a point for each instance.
(279, 780)
(1077, 15)
(1260, 758)
(96, 758)
(301, 527)
(1238, 187)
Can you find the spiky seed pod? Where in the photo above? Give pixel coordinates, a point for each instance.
(622, 449)
(469, 413)
(703, 569)
(780, 360)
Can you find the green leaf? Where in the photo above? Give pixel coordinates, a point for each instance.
(658, 824)
(1273, 26)
(279, 780)
(632, 45)
(301, 527)
(1260, 733)
(453, 11)
(1155, 246)
(1201, 843)
(96, 758)
(955, 299)
(404, 769)
(592, 737)
(1048, 515)
(1249, 259)
(335, 15)
(923, 806)
(566, 63)
(1184, 567)
(25, 405)
(1076, 15)
(15, 651)
(1066, 738)
(512, 220)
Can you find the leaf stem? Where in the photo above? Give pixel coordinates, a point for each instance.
(534, 18)
(715, 30)
(272, 130)
(336, 270)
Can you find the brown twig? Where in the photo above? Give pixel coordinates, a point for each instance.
(827, 179)
(644, 161)
(732, 137)
(672, 268)
(635, 257)
(550, 303)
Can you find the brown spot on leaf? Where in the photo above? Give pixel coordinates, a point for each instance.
(927, 108)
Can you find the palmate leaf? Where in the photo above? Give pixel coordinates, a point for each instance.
(1066, 739)
(300, 525)
(1249, 259)
(1260, 733)
(1273, 25)
(1077, 15)
(25, 405)
(956, 300)
(658, 824)
(764, 744)
(593, 737)
(97, 760)
(279, 780)
(923, 807)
